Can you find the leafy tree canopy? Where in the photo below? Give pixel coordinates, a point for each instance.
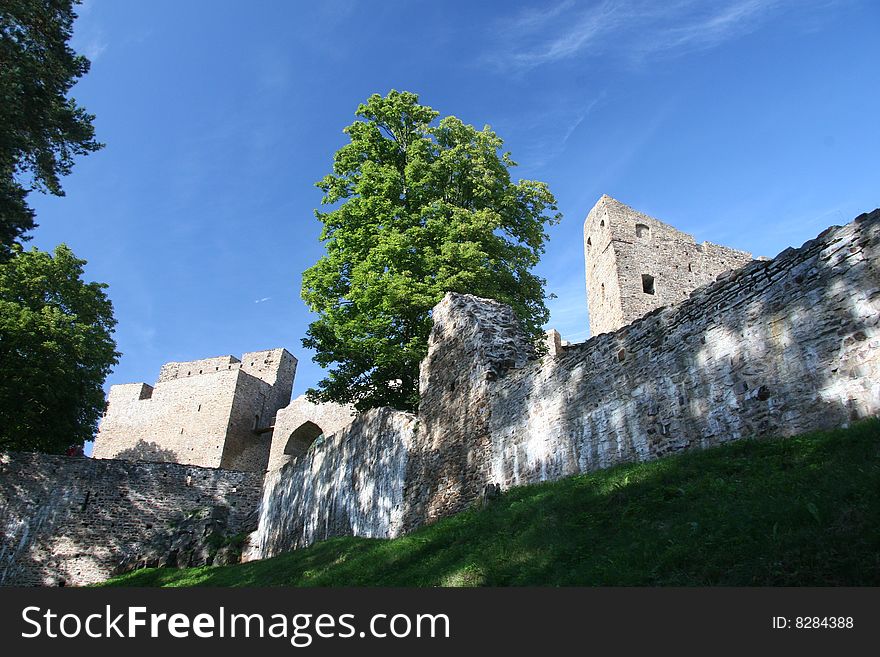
(41, 129)
(56, 349)
(419, 208)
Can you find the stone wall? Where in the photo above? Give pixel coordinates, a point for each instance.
(181, 420)
(635, 263)
(350, 484)
(277, 367)
(772, 349)
(473, 343)
(71, 521)
(775, 348)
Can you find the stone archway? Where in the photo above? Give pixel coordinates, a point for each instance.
(302, 438)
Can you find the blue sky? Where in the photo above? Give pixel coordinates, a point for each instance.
(750, 124)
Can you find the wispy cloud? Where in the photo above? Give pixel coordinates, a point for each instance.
(549, 128)
(88, 38)
(94, 48)
(630, 28)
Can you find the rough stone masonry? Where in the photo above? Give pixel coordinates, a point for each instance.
(72, 521)
(214, 412)
(774, 348)
(635, 263)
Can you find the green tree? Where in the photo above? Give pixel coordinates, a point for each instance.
(420, 208)
(56, 349)
(41, 129)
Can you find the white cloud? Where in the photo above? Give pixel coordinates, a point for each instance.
(88, 37)
(628, 28)
(94, 48)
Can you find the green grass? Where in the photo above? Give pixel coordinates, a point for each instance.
(798, 511)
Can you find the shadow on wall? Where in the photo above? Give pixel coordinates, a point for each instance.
(351, 484)
(70, 521)
(148, 451)
(774, 348)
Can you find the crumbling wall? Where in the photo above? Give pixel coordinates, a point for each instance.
(71, 521)
(350, 484)
(775, 348)
(473, 342)
(635, 263)
(772, 349)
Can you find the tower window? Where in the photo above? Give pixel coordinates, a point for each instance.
(647, 284)
(642, 230)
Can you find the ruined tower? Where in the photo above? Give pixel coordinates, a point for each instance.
(635, 263)
(215, 412)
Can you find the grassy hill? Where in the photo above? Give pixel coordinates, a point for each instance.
(798, 511)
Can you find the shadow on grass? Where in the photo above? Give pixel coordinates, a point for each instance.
(796, 511)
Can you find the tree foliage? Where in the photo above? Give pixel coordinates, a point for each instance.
(419, 208)
(41, 129)
(56, 349)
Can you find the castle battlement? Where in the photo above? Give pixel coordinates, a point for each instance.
(212, 412)
(171, 371)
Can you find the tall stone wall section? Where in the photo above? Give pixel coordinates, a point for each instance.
(774, 348)
(350, 484)
(70, 520)
(247, 442)
(472, 344)
(635, 263)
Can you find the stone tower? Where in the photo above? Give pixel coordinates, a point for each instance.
(215, 412)
(635, 263)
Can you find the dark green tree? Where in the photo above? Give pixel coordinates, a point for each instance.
(41, 128)
(420, 208)
(56, 349)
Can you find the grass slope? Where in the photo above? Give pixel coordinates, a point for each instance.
(798, 511)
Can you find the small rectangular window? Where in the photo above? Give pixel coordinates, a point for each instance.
(647, 284)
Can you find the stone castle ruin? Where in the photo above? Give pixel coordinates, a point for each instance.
(635, 263)
(693, 345)
(215, 413)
